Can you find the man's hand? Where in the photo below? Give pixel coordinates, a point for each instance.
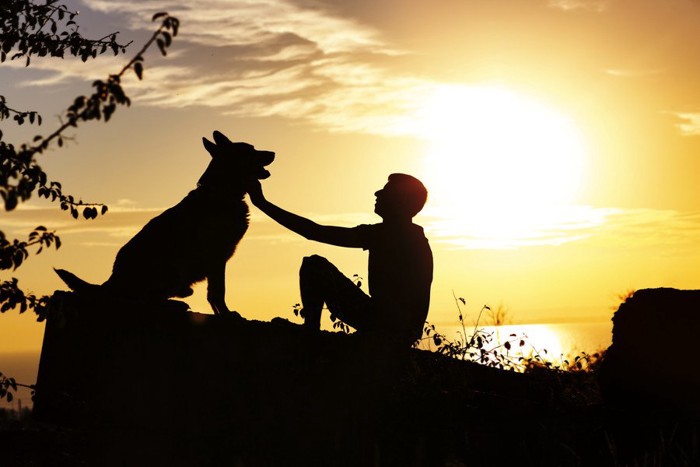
(340, 236)
(255, 192)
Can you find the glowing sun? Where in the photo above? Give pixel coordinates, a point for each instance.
(506, 162)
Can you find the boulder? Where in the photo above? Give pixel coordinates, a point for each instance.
(651, 365)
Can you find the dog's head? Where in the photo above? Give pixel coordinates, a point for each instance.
(234, 163)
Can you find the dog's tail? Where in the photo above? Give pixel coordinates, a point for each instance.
(75, 283)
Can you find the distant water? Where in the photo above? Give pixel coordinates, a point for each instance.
(560, 339)
(23, 367)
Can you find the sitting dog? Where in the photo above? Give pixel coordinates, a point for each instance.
(192, 240)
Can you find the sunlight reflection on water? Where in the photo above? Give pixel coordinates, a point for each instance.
(561, 339)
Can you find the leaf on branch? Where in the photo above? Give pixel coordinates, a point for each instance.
(10, 200)
(167, 38)
(158, 15)
(138, 69)
(173, 23)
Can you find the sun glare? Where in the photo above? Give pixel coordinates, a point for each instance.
(538, 338)
(499, 160)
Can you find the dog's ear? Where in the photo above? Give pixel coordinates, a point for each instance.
(221, 139)
(209, 146)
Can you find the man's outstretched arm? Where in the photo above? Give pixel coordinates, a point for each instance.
(340, 236)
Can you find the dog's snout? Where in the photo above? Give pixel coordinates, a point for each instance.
(267, 157)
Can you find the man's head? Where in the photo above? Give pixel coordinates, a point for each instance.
(402, 197)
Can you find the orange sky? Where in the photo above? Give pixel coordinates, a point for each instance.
(558, 139)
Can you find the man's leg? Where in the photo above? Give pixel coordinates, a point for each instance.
(320, 282)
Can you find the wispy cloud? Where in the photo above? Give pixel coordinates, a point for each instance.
(123, 220)
(126, 217)
(689, 124)
(610, 226)
(270, 58)
(650, 227)
(242, 22)
(572, 5)
(490, 230)
(630, 73)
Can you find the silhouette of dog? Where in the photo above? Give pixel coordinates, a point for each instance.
(194, 239)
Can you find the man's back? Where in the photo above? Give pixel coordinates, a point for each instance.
(400, 273)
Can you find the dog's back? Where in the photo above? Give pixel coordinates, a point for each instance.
(180, 247)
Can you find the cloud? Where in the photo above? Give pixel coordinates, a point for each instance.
(241, 22)
(122, 221)
(612, 227)
(668, 230)
(571, 5)
(126, 217)
(623, 73)
(689, 124)
(650, 227)
(489, 230)
(258, 59)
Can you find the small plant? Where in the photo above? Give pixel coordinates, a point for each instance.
(515, 353)
(298, 310)
(499, 316)
(338, 324)
(8, 388)
(479, 345)
(582, 361)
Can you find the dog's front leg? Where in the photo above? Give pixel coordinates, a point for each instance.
(216, 289)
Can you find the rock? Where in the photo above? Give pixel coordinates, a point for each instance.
(182, 388)
(651, 365)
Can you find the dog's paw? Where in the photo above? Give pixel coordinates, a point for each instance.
(284, 322)
(176, 306)
(231, 315)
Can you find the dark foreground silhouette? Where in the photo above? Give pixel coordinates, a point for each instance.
(120, 385)
(652, 362)
(192, 240)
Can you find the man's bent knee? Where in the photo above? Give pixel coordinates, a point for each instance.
(314, 264)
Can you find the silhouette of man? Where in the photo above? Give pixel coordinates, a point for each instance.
(400, 265)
